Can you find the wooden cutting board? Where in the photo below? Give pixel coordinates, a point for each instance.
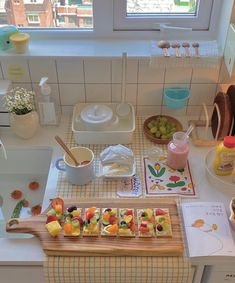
(224, 105)
(106, 246)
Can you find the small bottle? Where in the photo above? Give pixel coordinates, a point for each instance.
(224, 161)
(49, 111)
(177, 151)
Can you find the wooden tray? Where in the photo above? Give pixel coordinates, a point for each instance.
(105, 246)
(151, 137)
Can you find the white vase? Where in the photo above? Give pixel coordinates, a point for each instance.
(24, 126)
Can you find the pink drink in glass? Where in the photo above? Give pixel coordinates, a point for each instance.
(177, 151)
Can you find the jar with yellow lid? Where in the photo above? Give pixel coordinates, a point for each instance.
(20, 42)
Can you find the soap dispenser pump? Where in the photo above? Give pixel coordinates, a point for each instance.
(49, 111)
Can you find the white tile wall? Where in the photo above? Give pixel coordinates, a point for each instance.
(149, 94)
(15, 69)
(98, 92)
(99, 80)
(71, 94)
(43, 68)
(205, 75)
(97, 70)
(178, 75)
(202, 93)
(70, 70)
(147, 74)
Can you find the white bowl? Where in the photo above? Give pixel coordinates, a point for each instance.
(227, 182)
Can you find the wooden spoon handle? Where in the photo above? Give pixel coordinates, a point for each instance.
(66, 149)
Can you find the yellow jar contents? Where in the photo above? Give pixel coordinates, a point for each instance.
(20, 41)
(225, 157)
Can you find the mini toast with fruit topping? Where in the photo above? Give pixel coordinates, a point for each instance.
(109, 222)
(163, 222)
(127, 227)
(55, 217)
(91, 222)
(73, 222)
(146, 222)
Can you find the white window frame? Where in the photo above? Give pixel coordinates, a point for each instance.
(201, 22)
(103, 20)
(33, 15)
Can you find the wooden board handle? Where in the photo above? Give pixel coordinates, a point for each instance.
(21, 225)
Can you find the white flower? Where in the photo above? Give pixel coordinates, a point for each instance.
(20, 101)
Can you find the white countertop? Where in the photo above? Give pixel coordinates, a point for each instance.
(29, 251)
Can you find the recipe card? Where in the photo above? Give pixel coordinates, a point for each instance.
(207, 229)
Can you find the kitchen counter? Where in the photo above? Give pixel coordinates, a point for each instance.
(29, 252)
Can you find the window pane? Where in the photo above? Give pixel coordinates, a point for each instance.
(47, 13)
(138, 7)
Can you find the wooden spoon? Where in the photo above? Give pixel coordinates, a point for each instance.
(66, 149)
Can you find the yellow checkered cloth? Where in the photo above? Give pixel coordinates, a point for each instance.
(112, 269)
(100, 187)
(117, 269)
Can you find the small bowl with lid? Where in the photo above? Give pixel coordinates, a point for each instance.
(20, 42)
(98, 117)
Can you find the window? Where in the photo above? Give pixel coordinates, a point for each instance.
(147, 14)
(116, 18)
(50, 13)
(34, 19)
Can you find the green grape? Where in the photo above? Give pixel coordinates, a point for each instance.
(157, 134)
(153, 130)
(162, 130)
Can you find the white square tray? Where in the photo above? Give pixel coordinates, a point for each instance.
(120, 133)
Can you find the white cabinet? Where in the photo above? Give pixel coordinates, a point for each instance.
(219, 274)
(21, 274)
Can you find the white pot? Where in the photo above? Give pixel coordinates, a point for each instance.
(24, 126)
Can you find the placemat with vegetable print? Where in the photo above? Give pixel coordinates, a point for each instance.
(160, 179)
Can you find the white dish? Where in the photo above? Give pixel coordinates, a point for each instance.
(119, 132)
(227, 182)
(115, 174)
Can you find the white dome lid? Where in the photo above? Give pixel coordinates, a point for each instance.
(96, 114)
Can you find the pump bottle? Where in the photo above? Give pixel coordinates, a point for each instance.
(49, 111)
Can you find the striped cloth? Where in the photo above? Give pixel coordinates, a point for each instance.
(112, 269)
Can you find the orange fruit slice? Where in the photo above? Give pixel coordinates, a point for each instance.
(112, 228)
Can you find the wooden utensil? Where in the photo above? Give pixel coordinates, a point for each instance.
(66, 149)
(105, 246)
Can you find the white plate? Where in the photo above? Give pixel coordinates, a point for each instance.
(227, 182)
(119, 175)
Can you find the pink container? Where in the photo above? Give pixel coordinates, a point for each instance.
(177, 151)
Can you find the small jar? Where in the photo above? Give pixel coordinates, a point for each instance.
(20, 42)
(177, 151)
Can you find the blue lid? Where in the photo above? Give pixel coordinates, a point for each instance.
(7, 29)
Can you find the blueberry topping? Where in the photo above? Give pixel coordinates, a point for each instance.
(159, 227)
(71, 208)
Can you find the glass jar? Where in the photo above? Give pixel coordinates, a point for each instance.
(177, 151)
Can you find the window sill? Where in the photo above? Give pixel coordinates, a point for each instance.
(92, 48)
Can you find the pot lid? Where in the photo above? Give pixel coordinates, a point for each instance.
(96, 114)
